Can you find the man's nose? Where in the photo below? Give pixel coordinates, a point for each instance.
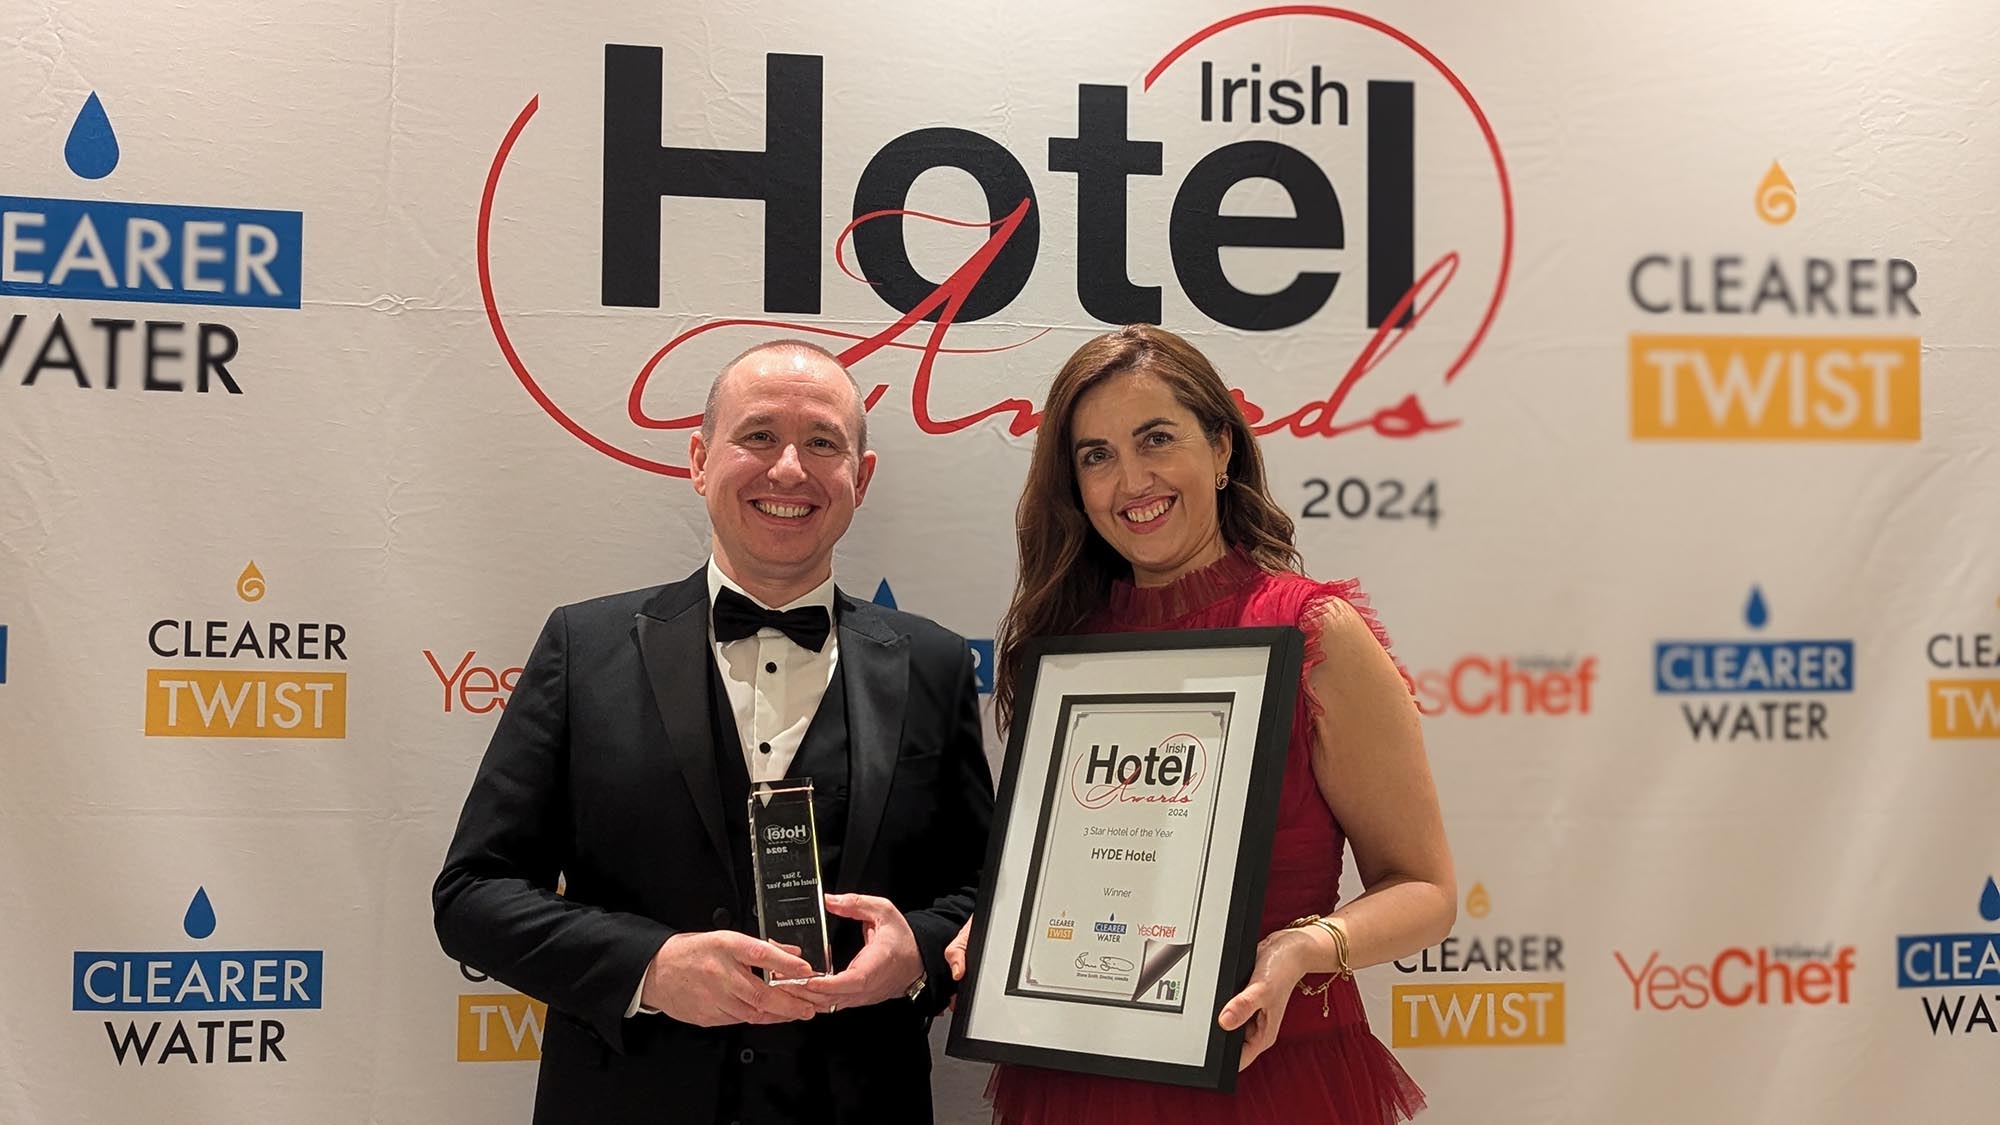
(788, 470)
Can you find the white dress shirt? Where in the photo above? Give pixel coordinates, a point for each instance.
(775, 686)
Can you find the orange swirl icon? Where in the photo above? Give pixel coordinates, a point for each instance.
(1476, 903)
(250, 583)
(1777, 200)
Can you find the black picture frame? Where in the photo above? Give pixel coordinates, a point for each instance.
(1125, 1056)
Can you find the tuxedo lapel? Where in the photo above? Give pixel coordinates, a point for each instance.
(876, 662)
(672, 633)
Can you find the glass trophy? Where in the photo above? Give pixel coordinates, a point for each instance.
(784, 851)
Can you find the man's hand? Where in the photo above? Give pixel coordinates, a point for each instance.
(888, 963)
(706, 979)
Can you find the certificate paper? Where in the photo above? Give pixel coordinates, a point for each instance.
(1120, 903)
(1121, 849)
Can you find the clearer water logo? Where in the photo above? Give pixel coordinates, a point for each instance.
(1706, 673)
(168, 984)
(1730, 384)
(226, 699)
(982, 647)
(1963, 967)
(156, 253)
(1964, 703)
(1500, 989)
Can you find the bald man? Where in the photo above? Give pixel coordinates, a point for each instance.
(624, 762)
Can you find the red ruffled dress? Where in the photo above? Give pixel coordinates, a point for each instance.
(1326, 1065)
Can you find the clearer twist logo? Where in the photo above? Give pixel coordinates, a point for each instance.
(1777, 201)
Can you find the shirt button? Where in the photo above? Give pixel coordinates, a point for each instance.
(770, 666)
(763, 748)
(746, 1056)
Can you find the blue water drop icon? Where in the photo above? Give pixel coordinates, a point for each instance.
(200, 919)
(1989, 901)
(885, 597)
(92, 150)
(1754, 611)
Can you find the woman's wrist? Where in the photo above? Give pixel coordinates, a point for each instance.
(1299, 948)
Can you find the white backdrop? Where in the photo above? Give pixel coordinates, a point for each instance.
(1704, 355)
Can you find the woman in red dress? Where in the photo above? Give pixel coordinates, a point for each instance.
(1146, 508)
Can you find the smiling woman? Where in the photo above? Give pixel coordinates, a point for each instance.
(1141, 443)
(1146, 509)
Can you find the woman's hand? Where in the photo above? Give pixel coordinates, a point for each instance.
(954, 957)
(954, 953)
(1260, 1007)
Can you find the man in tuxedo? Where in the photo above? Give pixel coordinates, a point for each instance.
(624, 762)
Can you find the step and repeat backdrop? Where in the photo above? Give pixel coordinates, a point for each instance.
(1640, 360)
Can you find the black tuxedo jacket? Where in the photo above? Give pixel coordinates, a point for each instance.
(603, 769)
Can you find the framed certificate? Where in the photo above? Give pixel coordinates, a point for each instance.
(1124, 877)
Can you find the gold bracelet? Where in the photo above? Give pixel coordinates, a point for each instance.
(1338, 933)
(1321, 990)
(1336, 928)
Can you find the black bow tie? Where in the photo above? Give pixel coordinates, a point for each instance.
(737, 617)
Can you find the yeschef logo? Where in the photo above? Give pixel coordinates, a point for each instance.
(1366, 122)
(250, 685)
(472, 687)
(498, 1026)
(1731, 385)
(1812, 976)
(1965, 701)
(1707, 673)
(1480, 686)
(1964, 968)
(168, 985)
(1496, 989)
(982, 647)
(157, 253)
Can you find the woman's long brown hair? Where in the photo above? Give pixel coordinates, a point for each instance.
(1066, 568)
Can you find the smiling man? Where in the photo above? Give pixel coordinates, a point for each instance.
(624, 762)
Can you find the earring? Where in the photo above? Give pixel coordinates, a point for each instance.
(1221, 481)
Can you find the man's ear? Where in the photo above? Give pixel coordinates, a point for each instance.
(863, 473)
(698, 462)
